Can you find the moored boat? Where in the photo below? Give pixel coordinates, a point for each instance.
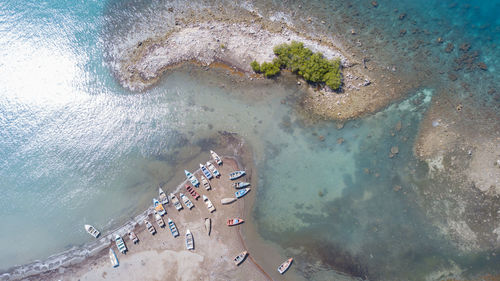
(236, 175)
(235, 221)
(159, 220)
(173, 228)
(120, 244)
(209, 204)
(92, 230)
(192, 192)
(240, 193)
(206, 172)
(205, 183)
(150, 227)
(285, 265)
(208, 225)
(216, 157)
(189, 240)
(186, 201)
(176, 202)
(213, 170)
(162, 196)
(133, 237)
(226, 201)
(194, 181)
(240, 184)
(158, 207)
(113, 258)
(240, 258)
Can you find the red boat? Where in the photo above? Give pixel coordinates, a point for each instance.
(192, 192)
(235, 221)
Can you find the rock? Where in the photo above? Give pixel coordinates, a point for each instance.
(402, 16)
(465, 47)
(353, 32)
(402, 32)
(482, 66)
(394, 150)
(449, 48)
(459, 107)
(339, 125)
(399, 125)
(452, 77)
(298, 83)
(321, 138)
(367, 171)
(171, 10)
(375, 4)
(340, 140)
(397, 188)
(439, 40)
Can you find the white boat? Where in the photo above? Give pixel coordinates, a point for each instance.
(216, 157)
(208, 225)
(113, 258)
(186, 201)
(176, 202)
(209, 204)
(240, 258)
(194, 181)
(226, 201)
(120, 244)
(205, 183)
(159, 220)
(163, 197)
(212, 169)
(236, 175)
(150, 227)
(92, 230)
(285, 265)
(189, 240)
(133, 237)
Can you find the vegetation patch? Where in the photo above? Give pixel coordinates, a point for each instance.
(313, 67)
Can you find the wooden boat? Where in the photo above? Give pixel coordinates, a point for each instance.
(240, 184)
(186, 201)
(159, 220)
(192, 192)
(158, 207)
(120, 244)
(209, 204)
(240, 193)
(235, 221)
(284, 266)
(176, 202)
(113, 258)
(216, 157)
(226, 201)
(213, 170)
(206, 172)
(163, 197)
(150, 227)
(236, 175)
(92, 230)
(133, 237)
(240, 258)
(194, 181)
(205, 183)
(173, 228)
(189, 240)
(208, 225)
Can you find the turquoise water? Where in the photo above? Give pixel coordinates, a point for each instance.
(75, 147)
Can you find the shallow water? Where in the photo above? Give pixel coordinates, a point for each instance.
(75, 147)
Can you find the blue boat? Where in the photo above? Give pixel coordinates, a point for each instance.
(113, 258)
(240, 193)
(194, 181)
(236, 175)
(212, 169)
(206, 172)
(173, 228)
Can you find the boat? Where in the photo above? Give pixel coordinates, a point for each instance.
(158, 207)
(133, 237)
(92, 230)
(113, 258)
(213, 170)
(205, 183)
(235, 221)
(192, 192)
(240, 258)
(240, 193)
(236, 175)
(208, 225)
(159, 220)
(120, 244)
(284, 266)
(173, 228)
(176, 202)
(189, 240)
(226, 201)
(150, 227)
(240, 184)
(216, 157)
(194, 181)
(163, 197)
(206, 172)
(209, 204)
(186, 201)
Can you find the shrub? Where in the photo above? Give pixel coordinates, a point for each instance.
(269, 69)
(255, 66)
